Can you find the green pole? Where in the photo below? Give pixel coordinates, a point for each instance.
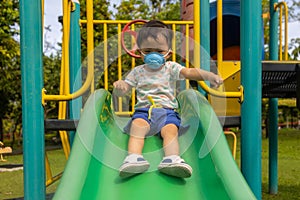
(32, 110)
(75, 63)
(251, 33)
(273, 106)
(204, 39)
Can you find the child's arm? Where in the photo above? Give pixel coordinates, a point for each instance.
(121, 87)
(202, 75)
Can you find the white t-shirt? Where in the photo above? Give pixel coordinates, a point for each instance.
(160, 85)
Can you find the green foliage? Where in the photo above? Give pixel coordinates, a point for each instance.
(52, 65)
(132, 9)
(138, 9)
(10, 70)
(10, 75)
(294, 10)
(101, 12)
(294, 46)
(166, 10)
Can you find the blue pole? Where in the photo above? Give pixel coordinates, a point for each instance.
(32, 110)
(251, 33)
(273, 106)
(204, 38)
(75, 63)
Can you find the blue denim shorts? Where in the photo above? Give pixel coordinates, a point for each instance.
(159, 118)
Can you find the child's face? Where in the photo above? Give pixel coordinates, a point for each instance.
(158, 45)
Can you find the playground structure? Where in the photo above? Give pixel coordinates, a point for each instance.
(250, 94)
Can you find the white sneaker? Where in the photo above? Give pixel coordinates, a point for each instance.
(175, 166)
(133, 164)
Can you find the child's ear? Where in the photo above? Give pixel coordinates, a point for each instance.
(169, 54)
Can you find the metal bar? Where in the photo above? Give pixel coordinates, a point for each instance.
(127, 21)
(196, 56)
(64, 87)
(273, 105)
(120, 104)
(132, 66)
(174, 42)
(187, 51)
(204, 86)
(281, 6)
(219, 32)
(75, 64)
(90, 61)
(251, 75)
(105, 56)
(63, 124)
(32, 110)
(204, 39)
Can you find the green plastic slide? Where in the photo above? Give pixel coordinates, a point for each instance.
(100, 147)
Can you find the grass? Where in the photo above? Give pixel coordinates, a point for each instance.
(11, 183)
(288, 165)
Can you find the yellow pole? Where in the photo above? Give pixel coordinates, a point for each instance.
(282, 5)
(105, 57)
(174, 42)
(197, 34)
(187, 51)
(120, 107)
(90, 36)
(219, 32)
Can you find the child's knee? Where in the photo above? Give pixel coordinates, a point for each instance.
(169, 130)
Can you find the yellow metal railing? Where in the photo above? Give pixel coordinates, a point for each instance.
(240, 93)
(281, 6)
(119, 24)
(65, 95)
(65, 51)
(64, 89)
(234, 142)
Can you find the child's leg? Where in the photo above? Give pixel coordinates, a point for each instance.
(138, 131)
(172, 164)
(169, 134)
(134, 163)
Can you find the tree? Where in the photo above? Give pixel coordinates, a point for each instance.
(10, 77)
(294, 46)
(294, 10)
(10, 71)
(132, 9)
(165, 10)
(138, 9)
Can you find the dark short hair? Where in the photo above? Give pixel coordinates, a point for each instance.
(152, 29)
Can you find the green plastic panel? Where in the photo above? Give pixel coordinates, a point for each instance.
(100, 147)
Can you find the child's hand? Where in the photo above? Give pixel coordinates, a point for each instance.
(215, 80)
(121, 87)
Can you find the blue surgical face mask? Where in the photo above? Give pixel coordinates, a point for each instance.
(155, 60)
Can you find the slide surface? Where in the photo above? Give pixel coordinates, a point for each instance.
(100, 147)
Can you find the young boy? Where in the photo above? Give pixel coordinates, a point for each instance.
(155, 84)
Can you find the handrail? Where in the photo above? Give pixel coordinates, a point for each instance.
(90, 60)
(90, 43)
(204, 86)
(90, 75)
(219, 32)
(276, 6)
(97, 21)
